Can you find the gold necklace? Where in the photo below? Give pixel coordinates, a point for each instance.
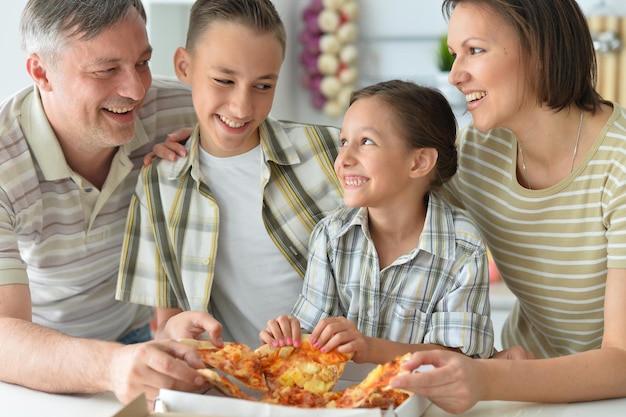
(521, 153)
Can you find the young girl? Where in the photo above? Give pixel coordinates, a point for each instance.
(398, 269)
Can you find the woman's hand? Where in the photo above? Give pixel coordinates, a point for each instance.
(455, 384)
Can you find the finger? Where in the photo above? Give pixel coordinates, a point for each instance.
(147, 160)
(296, 332)
(267, 338)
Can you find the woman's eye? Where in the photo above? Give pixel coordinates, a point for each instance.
(475, 51)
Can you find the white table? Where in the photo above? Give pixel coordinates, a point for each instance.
(17, 401)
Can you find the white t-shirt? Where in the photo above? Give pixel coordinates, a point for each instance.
(247, 261)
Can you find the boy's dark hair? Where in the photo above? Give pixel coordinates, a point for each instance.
(259, 15)
(424, 118)
(556, 45)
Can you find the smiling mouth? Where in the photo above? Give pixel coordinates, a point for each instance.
(120, 110)
(475, 96)
(231, 123)
(354, 181)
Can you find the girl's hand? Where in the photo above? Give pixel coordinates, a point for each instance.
(283, 331)
(341, 334)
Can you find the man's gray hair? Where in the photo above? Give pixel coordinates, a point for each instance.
(46, 25)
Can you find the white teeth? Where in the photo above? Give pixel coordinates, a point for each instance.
(475, 96)
(120, 111)
(353, 182)
(230, 123)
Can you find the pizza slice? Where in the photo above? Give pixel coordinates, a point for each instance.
(235, 359)
(303, 367)
(299, 397)
(374, 390)
(224, 385)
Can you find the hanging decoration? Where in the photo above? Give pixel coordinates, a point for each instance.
(330, 54)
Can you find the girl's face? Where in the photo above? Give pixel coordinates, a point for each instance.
(233, 73)
(488, 66)
(374, 160)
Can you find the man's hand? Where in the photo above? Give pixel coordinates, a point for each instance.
(148, 367)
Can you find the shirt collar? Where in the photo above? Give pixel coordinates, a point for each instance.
(276, 145)
(438, 236)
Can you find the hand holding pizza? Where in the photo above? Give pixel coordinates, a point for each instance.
(455, 385)
(341, 334)
(148, 367)
(192, 325)
(283, 331)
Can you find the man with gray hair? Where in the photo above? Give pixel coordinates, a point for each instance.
(71, 148)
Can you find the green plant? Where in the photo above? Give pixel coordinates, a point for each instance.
(444, 58)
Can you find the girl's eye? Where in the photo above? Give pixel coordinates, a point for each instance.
(264, 86)
(367, 141)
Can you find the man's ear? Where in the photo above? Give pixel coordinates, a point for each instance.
(182, 61)
(424, 160)
(37, 69)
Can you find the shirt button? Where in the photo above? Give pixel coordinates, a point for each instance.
(205, 261)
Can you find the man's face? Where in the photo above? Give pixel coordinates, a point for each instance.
(93, 92)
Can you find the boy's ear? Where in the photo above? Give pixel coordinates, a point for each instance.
(182, 64)
(424, 160)
(36, 68)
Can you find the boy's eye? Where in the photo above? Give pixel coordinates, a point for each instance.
(367, 141)
(343, 142)
(222, 81)
(264, 86)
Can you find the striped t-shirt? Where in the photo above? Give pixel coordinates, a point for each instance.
(62, 236)
(553, 246)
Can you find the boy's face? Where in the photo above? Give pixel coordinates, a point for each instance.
(93, 92)
(374, 164)
(233, 73)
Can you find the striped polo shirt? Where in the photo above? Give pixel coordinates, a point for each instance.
(60, 235)
(553, 247)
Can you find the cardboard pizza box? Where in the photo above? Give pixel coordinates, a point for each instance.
(182, 404)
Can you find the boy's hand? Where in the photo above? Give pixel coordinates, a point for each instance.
(341, 334)
(193, 325)
(172, 147)
(283, 331)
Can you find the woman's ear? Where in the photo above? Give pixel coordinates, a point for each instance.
(36, 68)
(424, 160)
(182, 61)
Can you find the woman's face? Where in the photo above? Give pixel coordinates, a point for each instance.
(488, 66)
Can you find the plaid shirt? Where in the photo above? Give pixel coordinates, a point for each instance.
(438, 293)
(171, 237)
